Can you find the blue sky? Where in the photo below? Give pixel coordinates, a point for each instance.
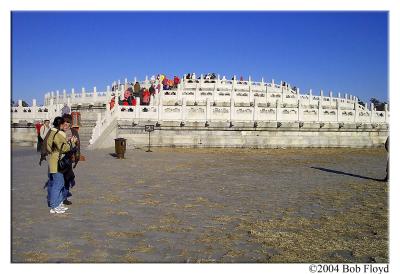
(344, 52)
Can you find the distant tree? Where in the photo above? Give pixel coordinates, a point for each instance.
(380, 106)
(361, 103)
(25, 104)
(12, 103)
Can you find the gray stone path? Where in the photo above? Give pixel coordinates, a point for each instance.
(180, 205)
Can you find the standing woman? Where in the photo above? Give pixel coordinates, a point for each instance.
(74, 155)
(57, 143)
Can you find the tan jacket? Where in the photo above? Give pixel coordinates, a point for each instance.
(55, 147)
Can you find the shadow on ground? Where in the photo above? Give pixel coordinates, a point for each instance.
(346, 173)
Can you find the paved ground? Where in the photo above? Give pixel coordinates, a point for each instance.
(207, 205)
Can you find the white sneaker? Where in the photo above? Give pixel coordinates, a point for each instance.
(56, 210)
(62, 207)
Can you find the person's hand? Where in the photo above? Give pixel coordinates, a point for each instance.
(73, 139)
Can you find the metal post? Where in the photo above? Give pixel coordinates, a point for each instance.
(149, 129)
(148, 150)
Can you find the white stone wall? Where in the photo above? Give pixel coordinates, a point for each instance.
(247, 137)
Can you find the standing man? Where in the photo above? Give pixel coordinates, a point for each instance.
(65, 109)
(69, 176)
(44, 129)
(387, 162)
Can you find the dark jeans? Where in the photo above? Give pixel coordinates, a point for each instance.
(69, 182)
(39, 143)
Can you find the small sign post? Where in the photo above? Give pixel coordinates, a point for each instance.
(149, 129)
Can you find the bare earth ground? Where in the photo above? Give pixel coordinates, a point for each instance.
(206, 205)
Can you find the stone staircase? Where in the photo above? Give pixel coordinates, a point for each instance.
(85, 132)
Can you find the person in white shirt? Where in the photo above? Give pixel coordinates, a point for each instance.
(44, 129)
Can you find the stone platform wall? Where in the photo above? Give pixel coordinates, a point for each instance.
(266, 135)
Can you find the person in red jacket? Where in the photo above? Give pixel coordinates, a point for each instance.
(176, 81)
(38, 125)
(146, 97)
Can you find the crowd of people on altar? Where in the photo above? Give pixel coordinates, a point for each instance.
(133, 91)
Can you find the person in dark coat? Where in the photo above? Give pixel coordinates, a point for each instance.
(387, 162)
(152, 90)
(69, 175)
(136, 89)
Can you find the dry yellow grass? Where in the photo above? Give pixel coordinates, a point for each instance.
(357, 233)
(124, 234)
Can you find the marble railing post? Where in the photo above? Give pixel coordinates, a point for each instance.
(278, 110)
(249, 83)
(20, 108)
(94, 93)
(57, 97)
(72, 95)
(121, 93)
(160, 110)
(208, 110)
(339, 114)
(298, 96)
(64, 95)
(299, 111)
(319, 111)
(356, 110)
(372, 112)
(215, 91)
(251, 94)
(83, 94)
(255, 109)
(108, 93)
(179, 92)
(183, 110)
(137, 108)
(310, 97)
(196, 92)
(232, 113)
(34, 108)
(321, 97)
(233, 94)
